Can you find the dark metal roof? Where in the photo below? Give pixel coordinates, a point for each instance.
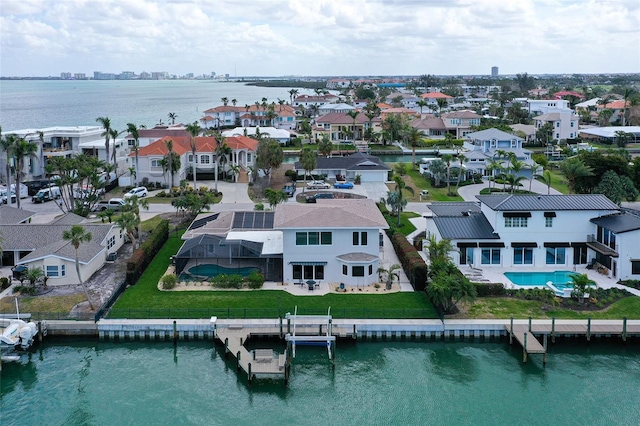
(475, 226)
(357, 161)
(442, 209)
(618, 223)
(548, 202)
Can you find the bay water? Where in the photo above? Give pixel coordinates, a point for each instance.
(80, 382)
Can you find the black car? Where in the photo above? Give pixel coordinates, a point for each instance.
(314, 197)
(290, 190)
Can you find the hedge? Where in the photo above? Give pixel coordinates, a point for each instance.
(144, 254)
(412, 263)
(490, 289)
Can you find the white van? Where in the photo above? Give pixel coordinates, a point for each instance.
(4, 197)
(46, 194)
(24, 191)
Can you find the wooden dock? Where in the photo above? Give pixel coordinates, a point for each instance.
(525, 334)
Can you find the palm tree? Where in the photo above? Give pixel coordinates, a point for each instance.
(234, 101)
(535, 173)
(461, 159)
(400, 185)
(574, 168)
(114, 135)
(546, 177)
(135, 134)
(172, 160)
(388, 275)
(447, 158)
(106, 125)
(308, 161)
(441, 104)
(354, 114)
(292, 94)
(225, 101)
(21, 150)
(438, 250)
(129, 222)
(172, 117)
(325, 146)
(194, 130)
(582, 285)
(222, 150)
(77, 235)
(8, 144)
(415, 136)
(41, 157)
(421, 103)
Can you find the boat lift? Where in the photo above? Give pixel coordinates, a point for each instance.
(308, 323)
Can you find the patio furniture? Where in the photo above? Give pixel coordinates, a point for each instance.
(311, 284)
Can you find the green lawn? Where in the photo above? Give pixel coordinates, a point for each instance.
(144, 300)
(435, 194)
(504, 308)
(558, 181)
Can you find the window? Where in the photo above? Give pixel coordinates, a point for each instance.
(308, 272)
(572, 124)
(319, 272)
(131, 142)
(466, 255)
(111, 242)
(548, 222)
(326, 238)
(370, 269)
(249, 157)
(357, 271)
(191, 158)
(301, 238)
(556, 256)
(557, 135)
(557, 124)
(156, 163)
(635, 267)
(297, 272)
(522, 256)
(515, 222)
(344, 270)
(359, 238)
(313, 238)
(55, 271)
(204, 159)
(490, 256)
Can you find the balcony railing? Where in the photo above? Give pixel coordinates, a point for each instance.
(593, 243)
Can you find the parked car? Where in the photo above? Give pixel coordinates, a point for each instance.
(46, 194)
(318, 184)
(343, 185)
(33, 186)
(314, 197)
(139, 192)
(3, 195)
(114, 204)
(290, 189)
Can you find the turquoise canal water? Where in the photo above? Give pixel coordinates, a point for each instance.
(399, 383)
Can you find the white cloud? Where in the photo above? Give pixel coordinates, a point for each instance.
(320, 37)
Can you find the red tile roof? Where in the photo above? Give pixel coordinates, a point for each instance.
(435, 95)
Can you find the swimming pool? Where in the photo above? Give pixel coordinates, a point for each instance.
(560, 279)
(209, 270)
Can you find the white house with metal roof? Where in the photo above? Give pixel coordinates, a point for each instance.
(540, 231)
(486, 145)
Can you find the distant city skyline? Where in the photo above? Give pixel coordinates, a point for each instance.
(328, 38)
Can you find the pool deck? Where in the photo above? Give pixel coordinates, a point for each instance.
(496, 275)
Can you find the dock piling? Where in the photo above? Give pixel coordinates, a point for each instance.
(524, 348)
(530, 319)
(624, 329)
(280, 320)
(553, 329)
(589, 329)
(544, 345)
(511, 332)
(249, 374)
(226, 347)
(175, 333)
(238, 361)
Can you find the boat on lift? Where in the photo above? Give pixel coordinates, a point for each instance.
(16, 333)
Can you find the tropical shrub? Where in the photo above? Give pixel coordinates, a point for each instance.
(169, 281)
(490, 289)
(141, 258)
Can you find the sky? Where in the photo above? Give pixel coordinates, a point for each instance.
(319, 37)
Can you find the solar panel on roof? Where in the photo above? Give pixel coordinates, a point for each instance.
(253, 220)
(199, 223)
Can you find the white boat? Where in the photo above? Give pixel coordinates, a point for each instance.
(17, 334)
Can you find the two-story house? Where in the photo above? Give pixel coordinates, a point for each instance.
(340, 126)
(540, 231)
(563, 122)
(459, 123)
(333, 241)
(485, 146)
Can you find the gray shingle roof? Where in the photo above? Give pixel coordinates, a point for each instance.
(68, 219)
(618, 223)
(472, 227)
(356, 162)
(547, 202)
(11, 215)
(33, 237)
(64, 249)
(453, 208)
(332, 214)
(489, 134)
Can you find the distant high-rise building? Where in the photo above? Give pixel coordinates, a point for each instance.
(126, 75)
(65, 75)
(80, 76)
(494, 71)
